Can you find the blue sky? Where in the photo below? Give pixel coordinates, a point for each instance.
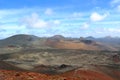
(70, 18)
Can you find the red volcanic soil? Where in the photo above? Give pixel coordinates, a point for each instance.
(9, 72)
(87, 75)
(113, 71)
(17, 75)
(61, 44)
(71, 75)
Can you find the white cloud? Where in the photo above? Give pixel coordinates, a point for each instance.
(93, 18)
(8, 16)
(11, 27)
(115, 2)
(57, 22)
(97, 17)
(113, 30)
(49, 11)
(13, 12)
(85, 26)
(34, 21)
(118, 8)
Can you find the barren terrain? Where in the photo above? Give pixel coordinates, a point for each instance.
(60, 64)
(28, 57)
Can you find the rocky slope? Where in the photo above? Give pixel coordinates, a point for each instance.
(57, 42)
(84, 44)
(78, 74)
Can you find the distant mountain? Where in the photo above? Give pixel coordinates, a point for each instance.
(90, 38)
(21, 40)
(74, 43)
(108, 40)
(61, 42)
(58, 37)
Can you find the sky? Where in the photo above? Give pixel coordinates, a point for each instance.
(70, 18)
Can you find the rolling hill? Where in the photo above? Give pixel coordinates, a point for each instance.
(59, 42)
(83, 44)
(23, 41)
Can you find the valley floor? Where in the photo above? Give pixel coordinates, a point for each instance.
(60, 64)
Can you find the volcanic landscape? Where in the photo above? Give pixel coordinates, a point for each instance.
(28, 57)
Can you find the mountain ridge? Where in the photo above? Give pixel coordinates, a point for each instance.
(60, 42)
